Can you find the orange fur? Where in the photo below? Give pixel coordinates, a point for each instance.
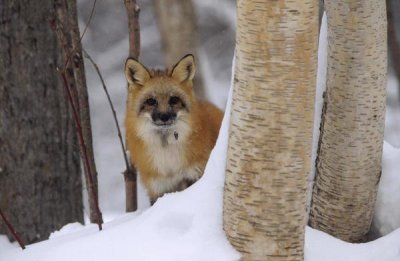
(166, 162)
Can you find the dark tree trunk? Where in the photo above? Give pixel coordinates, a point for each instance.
(40, 176)
(67, 24)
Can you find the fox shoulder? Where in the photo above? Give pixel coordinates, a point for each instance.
(211, 117)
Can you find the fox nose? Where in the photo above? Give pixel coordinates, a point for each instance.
(164, 118)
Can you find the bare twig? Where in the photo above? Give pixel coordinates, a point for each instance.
(132, 11)
(12, 230)
(111, 106)
(83, 34)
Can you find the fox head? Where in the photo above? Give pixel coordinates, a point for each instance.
(160, 102)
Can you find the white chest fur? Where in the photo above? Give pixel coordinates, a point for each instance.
(168, 160)
(166, 150)
(165, 147)
(170, 163)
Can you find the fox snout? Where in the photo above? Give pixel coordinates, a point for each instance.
(163, 118)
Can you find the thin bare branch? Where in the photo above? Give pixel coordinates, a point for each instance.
(88, 169)
(111, 106)
(89, 20)
(83, 34)
(12, 230)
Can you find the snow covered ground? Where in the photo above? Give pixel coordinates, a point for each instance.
(188, 225)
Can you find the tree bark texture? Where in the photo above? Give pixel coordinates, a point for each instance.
(271, 128)
(74, 53)
(130, 174)
(350, 147)
(179, 35)
(40, 178)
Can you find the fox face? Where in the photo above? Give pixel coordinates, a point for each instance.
(161, 101)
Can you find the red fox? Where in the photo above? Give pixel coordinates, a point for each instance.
(169, 133)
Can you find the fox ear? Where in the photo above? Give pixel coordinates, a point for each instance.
(185, 69)
(135, 72)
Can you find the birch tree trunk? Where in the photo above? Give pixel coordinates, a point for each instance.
(179, 35)
(350, 149)
(40, 176)
(271, 128)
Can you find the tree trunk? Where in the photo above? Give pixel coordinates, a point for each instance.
(40, 178)
(271, 128)
(350, 148)
(75, 51)
(178, 27)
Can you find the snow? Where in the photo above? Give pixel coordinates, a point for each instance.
(188, 225)
(5, 244)
(180, 226)
(387, 209)
(320, 246)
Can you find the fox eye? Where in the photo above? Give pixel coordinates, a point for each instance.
(174, 100)
(151, 101)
